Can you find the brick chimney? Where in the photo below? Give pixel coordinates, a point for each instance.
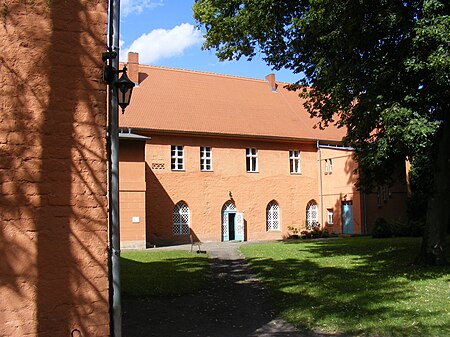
(133, 67)
(271, 80)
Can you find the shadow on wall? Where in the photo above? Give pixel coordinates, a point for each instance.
(53, 236)
(159, 215)
(159, 211)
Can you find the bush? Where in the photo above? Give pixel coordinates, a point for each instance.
(385, 229)
(400, 229)
(381, 229)
(416, 227)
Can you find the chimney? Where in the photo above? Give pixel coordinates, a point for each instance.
(271, 80)
(133, 67)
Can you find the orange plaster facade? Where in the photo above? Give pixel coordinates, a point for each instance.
(53, 170)
(206, 192)
(338, 188)
(132, 194)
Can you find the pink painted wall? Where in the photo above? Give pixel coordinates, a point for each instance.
(53, 205)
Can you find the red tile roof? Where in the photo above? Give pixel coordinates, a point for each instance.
(177, 100)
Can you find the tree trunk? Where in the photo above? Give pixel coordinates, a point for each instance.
(438, 211)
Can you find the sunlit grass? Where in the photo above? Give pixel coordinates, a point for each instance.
(155, 273)
(356, 285)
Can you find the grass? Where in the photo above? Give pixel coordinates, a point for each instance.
(359, 286)
(159, 273)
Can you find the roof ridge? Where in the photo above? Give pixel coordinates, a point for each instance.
(207, 73)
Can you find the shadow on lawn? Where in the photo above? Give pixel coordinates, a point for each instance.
(364, 288)
(165, 277)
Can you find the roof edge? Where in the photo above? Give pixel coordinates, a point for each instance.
(231, 135)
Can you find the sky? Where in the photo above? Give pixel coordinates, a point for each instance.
(163, 32)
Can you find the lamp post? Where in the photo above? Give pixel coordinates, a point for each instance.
(119, 94)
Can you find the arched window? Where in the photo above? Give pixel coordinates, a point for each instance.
(181, 219)
(312, 215)
(273, 216)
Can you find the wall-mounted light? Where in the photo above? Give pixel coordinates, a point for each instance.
(123, 86)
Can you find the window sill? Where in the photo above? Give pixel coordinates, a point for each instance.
(174, 170)
(252, 171)
(296, 173)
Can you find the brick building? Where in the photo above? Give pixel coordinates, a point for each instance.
(53, 205)
(223, 157)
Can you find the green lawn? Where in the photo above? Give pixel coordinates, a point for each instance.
(360, 286)
(155, 273)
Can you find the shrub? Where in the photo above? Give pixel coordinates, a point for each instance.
(416, 227)
(400, 229)
(381, 229)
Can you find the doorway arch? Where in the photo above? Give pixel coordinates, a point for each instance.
(228, 217)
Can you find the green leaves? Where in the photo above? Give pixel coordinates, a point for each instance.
(379, 68)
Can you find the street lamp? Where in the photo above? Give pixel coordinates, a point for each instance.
(123, 86)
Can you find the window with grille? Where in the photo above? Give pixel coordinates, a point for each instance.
(273, 216)
(177, 156)
(312, 215)
(205, 158)
(181, 219)
(294, 159)
(252, 159)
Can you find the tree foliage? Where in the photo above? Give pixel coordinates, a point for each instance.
(379, 68)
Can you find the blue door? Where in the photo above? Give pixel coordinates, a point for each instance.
(347, 217)
(239, 227)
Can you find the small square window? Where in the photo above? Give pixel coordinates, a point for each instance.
(177, 157)
(330, 216)
(252, 159)
(205, 158)
(294, 161)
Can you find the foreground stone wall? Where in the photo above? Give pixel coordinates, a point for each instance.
(53, 205)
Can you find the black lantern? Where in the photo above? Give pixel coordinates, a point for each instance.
(124, 87)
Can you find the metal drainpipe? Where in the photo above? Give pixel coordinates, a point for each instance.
(320, 179)
(115, 303)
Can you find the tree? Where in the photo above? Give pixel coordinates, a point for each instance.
(379, 68)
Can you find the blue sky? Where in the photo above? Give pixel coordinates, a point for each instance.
(163, 33)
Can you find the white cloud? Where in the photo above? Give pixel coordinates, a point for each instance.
(162, 43)
(128, 7)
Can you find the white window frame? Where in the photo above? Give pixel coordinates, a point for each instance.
(294, 162)
(206, 158)
(177, 159)
(330, 166)
(251, 159)
(273, 216)
(326, 166)
(330, 216)
(181, 219)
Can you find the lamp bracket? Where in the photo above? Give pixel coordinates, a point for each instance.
(108, 70)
